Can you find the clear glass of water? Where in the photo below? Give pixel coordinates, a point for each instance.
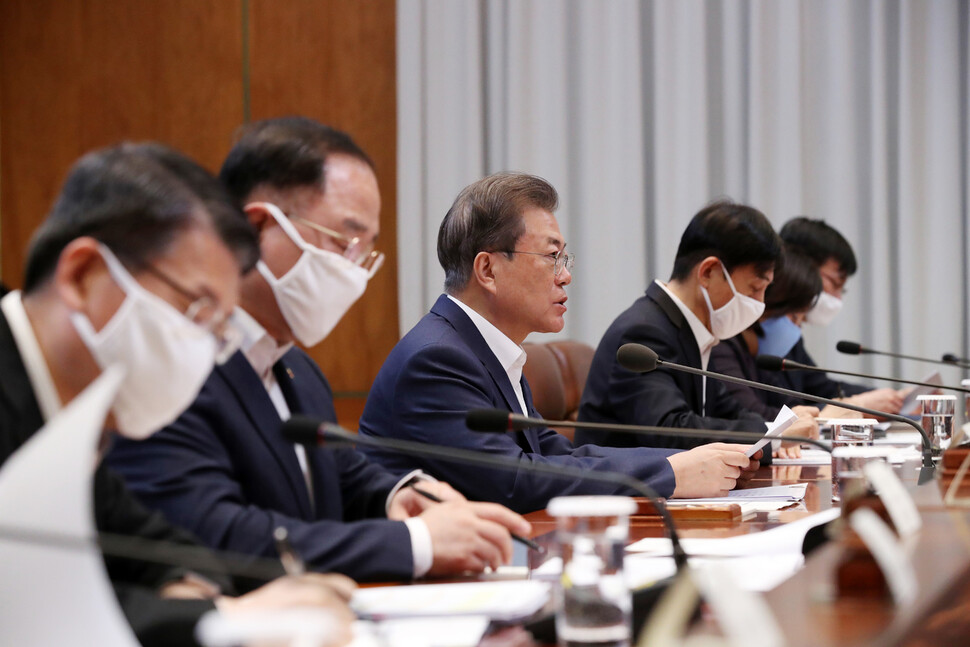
(937, 417)
(848, 464)
(593, 598)
(852, 431)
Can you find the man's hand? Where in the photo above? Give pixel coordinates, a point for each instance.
(317, 590)
(888, 400)
(708, 470)
(806, 426)
(408, 503)
(468, 536)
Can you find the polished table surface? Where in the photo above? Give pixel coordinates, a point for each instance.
(807, 607)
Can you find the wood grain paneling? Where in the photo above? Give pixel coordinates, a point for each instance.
(335, 61)
(80, 75)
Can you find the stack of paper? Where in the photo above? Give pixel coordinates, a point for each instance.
(507, 600)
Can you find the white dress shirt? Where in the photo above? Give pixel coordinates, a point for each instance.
(706, 341)
(37, 370)
(262, 352)
(509, 354)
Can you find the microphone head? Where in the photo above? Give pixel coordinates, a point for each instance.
(302, 430)
(950, 358)
(770, 363)
(637, 358)
(487, 420)
(849, 348)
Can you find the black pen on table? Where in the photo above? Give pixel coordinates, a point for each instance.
(292, 562)
(522, 540)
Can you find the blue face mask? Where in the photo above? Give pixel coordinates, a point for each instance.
(781, 335)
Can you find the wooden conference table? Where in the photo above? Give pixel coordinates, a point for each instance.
(807, 606)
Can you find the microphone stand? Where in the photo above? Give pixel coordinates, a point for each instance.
(772, 363)
(330, 435)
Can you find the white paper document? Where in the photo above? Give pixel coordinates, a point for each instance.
(785, 419)
(909, 402)
(791, 493)
(457, 631)
(54, 594)
(497, 600)
(785, 539)
(808, 457)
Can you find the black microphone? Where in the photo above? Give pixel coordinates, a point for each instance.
(153, 551)
(308, 431)
(773, 363)
(853, 348)
(499, 420)
(641, 359)
(961, 362)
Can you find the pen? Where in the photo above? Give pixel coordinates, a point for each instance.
(292, 563)
(522, 540)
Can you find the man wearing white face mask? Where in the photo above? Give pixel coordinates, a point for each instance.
(223, 468)
(836, 262)
(724, 263)
(137, 265)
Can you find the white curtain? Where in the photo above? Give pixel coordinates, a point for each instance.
(640, 113)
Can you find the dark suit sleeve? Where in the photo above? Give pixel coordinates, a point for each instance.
(727, 357)
(426, 398)
(818, 383)
(658, 398)
(189, 473)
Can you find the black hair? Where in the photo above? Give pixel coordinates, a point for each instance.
(135, 198)
(821, 242)
(487, 217)
(284, 153)
(796, 285)
(735, 233)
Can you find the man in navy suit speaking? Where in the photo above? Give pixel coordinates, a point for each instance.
(506, 270)
(223, 469)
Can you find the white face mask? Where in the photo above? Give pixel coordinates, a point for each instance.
(318, 291)
(166, 357)
(824, 310)
(735, 315)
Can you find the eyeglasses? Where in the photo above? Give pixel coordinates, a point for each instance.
(204, 312)
(353, 249)
(561, 258)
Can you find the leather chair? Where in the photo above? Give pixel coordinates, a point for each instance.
(557, 372)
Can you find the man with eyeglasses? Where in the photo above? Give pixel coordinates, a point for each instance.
(223, 469)
(836, 262)
(137, 265)
(506, 272)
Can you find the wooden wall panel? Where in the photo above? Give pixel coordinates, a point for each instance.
(79, 75)
(335, 61)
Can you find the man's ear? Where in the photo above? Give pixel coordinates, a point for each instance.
(259, 217)
(78, 267)
(483, 271)
(705, 270)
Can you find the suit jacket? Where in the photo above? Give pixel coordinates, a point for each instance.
(154, 620)
(441, 369)
(814, 382)
(224, 471)
(663, 397)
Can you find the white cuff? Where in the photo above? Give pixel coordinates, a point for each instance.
(421, 548)
(416, 475)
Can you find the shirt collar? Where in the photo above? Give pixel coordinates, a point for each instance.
(509, 354)
(38, 372)
(258, 346)
(704, 338)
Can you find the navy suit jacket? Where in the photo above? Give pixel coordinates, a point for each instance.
(662, 398)
(442, 369)
(224, 471)
(814, 382)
